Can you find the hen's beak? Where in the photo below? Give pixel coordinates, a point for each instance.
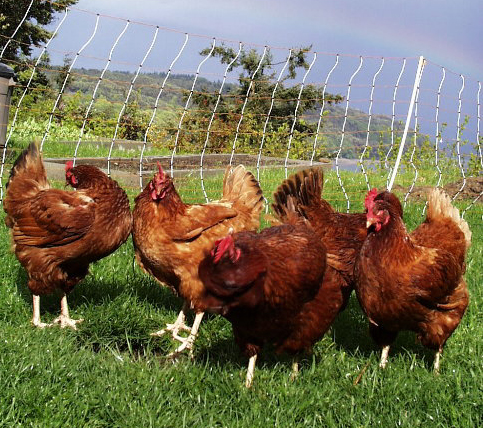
(370, 221)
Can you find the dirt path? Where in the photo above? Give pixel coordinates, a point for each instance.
(472, 189)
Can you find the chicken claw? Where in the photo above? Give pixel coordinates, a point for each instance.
(250, 371)
(384, 356)
(174, 328)
(187, 342)
(38, 324)
(64, 319)
(180, 324)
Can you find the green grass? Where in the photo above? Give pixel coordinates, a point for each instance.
(112, 373)
(89, 149)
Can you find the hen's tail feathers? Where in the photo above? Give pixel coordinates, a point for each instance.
(28, 167)
(290, 214)
(241, 187)
(439, 205)
(301, 189)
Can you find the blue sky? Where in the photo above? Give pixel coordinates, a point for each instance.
(448, 33)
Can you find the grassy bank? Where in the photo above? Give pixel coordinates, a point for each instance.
(112, 373)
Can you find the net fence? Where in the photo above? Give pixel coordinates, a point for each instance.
(125, 95)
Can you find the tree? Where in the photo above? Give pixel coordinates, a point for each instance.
(32, 32)
(258, 105)
(63, 80)
(29, 35)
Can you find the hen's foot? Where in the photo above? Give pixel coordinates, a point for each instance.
(436, 361)
(174, 328)
(66, 321)
(250, 371)
(384, 356)
(37, 323)
(187, 342)
(295, 371)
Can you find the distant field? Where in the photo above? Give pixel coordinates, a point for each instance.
(112, 373)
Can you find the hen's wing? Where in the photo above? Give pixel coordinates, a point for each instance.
(54, 218)
(443, 227)
(441, 234)
(199, 218)
(431, 273)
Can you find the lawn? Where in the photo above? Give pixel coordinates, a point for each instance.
(112, 373)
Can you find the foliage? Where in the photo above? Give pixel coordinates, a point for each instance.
(133, 123)
(24, 74)
(116, 83)
(190, 134)
(475, 164)
(257, 75)
(112, 92)
(32, 33)
(63, 80)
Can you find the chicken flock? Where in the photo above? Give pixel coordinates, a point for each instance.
(283, 286)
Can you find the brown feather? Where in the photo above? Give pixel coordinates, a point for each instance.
(268, 288)
(413, 281)
(171, 237)
(57, 234)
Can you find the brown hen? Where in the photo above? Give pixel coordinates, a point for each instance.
(342, 235)
(267, 284)
(413, 281)
(56, 234)
(171, 237)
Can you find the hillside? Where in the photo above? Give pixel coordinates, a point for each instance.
(356, 131)
(114, 87)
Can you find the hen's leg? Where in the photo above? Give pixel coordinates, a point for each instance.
(384, 355)
(250, 371)
(64, 319)
(295, 369)
(436, 360)
(187, 342)
(36, 313)
(383, 338)
(178, 325)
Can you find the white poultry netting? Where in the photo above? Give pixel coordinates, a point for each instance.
(221, 114)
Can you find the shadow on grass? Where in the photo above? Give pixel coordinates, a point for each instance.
(119, 314)
(21, 284)
(91, 291)
(351, 333)
(128, 329)
(225, 353)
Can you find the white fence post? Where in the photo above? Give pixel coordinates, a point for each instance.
(6, 87)
(417, 81)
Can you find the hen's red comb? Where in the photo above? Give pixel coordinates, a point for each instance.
(221, 247)
(160, 169)
(69, 165)
(369, 201)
